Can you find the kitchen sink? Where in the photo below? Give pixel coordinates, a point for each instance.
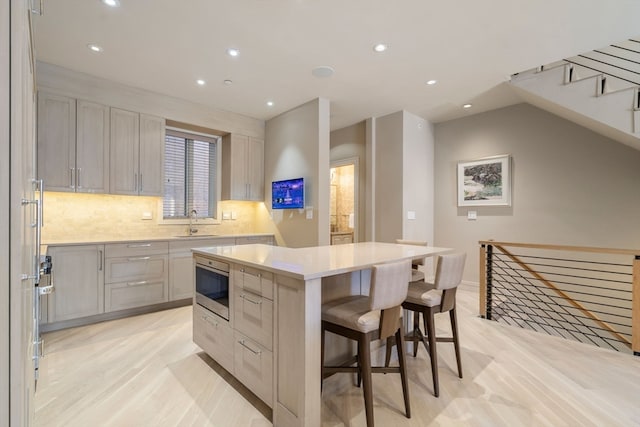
(195, 236)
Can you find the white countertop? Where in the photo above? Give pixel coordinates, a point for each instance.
(319, 261)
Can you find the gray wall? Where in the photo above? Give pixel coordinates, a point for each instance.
(570, 185)
(403, 177)
(388, 178)
(347, 143)
(297, 145)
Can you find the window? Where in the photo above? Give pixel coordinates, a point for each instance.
(190, 168)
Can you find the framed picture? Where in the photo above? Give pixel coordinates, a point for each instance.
(485, 182)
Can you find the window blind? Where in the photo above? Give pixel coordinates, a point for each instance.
(190, 173)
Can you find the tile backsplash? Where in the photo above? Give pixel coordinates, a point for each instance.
(72, 217)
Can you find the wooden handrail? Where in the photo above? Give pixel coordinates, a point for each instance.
(562, 294)
(563, 247)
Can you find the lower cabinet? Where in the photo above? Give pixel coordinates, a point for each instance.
(214, 335)
(136, 275)
(253, 366)
(243, 346)
(78, 278)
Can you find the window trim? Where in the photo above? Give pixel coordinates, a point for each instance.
(202, 221)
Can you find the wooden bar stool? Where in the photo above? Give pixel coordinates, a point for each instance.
(423, 299)
(368, 318)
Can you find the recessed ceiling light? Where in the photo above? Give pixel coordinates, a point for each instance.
(380, 47)
(232, 51)
(467, 106)
(112, 3)
(95, 47)
(200, 82)
(432, 82)
(228, 82)
(269, 103)
(322, 71)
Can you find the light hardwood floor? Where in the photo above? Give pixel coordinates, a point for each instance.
(146, 371)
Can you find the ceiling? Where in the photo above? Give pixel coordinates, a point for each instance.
(470, 47)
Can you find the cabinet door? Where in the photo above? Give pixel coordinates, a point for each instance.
(125, 143)
(255, 169)
(234, 167)
(92, 148)
(78, 279)
(181, 276)
(150, 179)
(56, 141)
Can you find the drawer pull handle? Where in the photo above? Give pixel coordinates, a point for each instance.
(142, 258)
(256, 352)
(242, 270)
(244, 297)
(210, 321)
(143, 282)
(140, 245)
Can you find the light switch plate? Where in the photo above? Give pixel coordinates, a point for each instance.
(411, 215)
(472, 215)
(226, 215)
(309, 213)
(147, 215)
(234, 215)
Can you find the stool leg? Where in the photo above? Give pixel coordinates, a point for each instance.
(322, 359)
(403, 371)
(365, 365)
(429, 326)
(387, 356)
(456, 343)
(416, 326)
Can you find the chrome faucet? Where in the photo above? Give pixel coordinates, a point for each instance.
(193, 217)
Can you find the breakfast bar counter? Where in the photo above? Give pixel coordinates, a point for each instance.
(285, 311)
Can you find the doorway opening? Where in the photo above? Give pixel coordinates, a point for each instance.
(343, 207)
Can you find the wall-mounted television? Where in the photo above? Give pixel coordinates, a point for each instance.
(287, 194)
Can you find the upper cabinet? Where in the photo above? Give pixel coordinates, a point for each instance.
(73, 144)
(137, 153)
(92, 147)
(242, 168)
(56, 141)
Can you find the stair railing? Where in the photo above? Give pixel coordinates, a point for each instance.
(581, 293)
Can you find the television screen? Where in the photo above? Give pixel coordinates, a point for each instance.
(287, 194)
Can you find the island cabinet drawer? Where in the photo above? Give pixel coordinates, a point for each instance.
(133, 249)
(136, 268)
(253, 316)
(257, 281)
(253, 366)
(120, 296)
(214, 335)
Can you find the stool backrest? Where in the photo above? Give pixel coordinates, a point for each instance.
(449, 269)
(389, 284)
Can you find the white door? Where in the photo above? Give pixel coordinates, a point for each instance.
(18, 247)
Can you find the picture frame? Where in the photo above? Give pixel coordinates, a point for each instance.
(485, 182)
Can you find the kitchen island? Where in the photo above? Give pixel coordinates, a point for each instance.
(271, 341)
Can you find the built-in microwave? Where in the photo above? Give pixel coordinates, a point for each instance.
(212, 285)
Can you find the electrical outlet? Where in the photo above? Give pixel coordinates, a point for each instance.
(147, 215)
(226, 215)
(234, 215)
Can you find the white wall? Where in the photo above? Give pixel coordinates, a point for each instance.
(297, 145)
(570, 185)
(418, 178)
